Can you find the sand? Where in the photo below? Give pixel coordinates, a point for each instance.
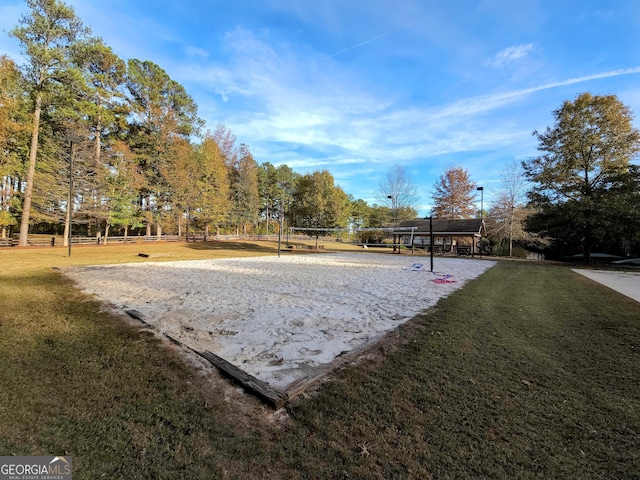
(279, 318)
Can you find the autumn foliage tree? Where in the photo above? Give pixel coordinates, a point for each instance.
(141, 159)
(121, 182)
(584, 162)
(13, 129)
(453, 195)
(213, 184)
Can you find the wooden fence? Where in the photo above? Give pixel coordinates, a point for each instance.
(43, 241)
(56, 241)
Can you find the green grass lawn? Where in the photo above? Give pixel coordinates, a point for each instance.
(530, 371)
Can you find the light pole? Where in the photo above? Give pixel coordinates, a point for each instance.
(431, 240)
(280, 231)
(393, 213)
(394, 208)
(72, 139)
(481, 190)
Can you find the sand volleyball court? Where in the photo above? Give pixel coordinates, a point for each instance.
(279, 319)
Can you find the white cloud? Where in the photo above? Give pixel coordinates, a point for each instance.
(357, 45)
(322, 115)
(409, 135)
(196, 52)
(481, 104)
(511, 54)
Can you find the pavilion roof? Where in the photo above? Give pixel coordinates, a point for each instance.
(470, 226)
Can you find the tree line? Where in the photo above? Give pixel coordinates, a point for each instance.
(580, 193)
(120, 145)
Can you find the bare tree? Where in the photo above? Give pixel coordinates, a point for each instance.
(508, 212)
(399, 192)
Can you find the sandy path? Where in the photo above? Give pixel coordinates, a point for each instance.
(278, 319)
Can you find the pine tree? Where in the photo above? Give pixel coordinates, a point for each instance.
(47, 34)
(163, 111)
(102, 106)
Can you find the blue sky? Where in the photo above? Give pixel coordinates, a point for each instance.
(357, 86)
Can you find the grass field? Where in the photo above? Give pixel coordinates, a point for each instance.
(530, 371)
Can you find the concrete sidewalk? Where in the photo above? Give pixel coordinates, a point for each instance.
(627, 283)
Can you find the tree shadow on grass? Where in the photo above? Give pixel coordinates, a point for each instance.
(240, 246)
(77, 379)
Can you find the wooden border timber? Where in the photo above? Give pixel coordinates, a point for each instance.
(273, 397)
(262, 390)
(298, 387)
(137, 315)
